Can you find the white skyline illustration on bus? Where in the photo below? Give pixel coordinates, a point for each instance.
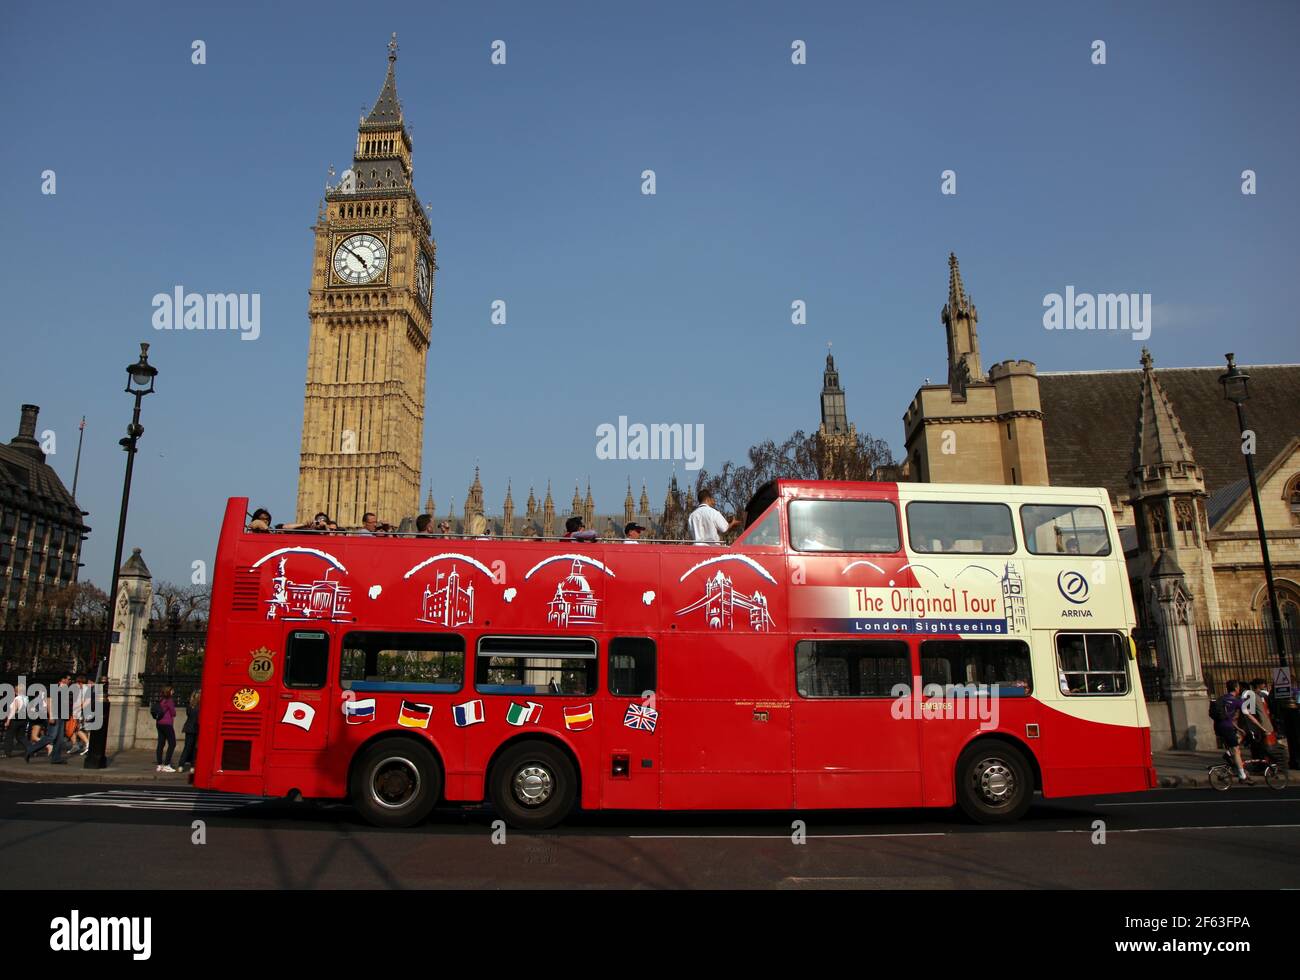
(323, 598)
(720, 601)
(447, 604)
(575, 602)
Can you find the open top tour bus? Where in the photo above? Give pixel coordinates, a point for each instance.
(860, 645)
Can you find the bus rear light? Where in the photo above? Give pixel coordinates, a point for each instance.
(1031, 731)
(621, 766)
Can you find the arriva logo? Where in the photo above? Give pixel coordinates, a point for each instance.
(1073, 586)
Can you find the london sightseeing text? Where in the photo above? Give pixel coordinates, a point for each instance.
(405, 671)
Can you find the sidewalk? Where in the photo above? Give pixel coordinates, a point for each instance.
(1177, 770)
(131, 766)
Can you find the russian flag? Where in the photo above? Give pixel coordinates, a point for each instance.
(469, 713)
(359, 712)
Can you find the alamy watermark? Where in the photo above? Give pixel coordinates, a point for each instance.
(659, 440)
(963, 702)
(1098, 311)
(69, 701)
(179, 310)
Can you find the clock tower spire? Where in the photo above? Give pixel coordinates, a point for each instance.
(370, 311)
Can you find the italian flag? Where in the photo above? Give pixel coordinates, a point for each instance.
(523, 714)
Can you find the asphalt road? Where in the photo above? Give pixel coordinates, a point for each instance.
(142, 837)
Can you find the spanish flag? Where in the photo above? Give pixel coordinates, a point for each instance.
(579, 719)
(414, 715)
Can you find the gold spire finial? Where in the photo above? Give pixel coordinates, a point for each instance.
(392, 47)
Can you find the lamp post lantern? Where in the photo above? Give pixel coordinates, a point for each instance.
(139, 382)
(1236, 383)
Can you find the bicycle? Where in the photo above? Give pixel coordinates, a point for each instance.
(1224, 774)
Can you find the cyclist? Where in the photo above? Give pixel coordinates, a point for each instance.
(1231, 724)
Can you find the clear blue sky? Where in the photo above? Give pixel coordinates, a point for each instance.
(775, 183)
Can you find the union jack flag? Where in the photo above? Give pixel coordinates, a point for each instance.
(639, 716)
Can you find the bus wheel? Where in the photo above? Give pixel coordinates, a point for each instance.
(533, 785)
(396, 783)
(994, 782)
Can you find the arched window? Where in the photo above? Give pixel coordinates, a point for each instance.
(1185, 514)
(1292, 497)
(1159, 528)
(1288, 606)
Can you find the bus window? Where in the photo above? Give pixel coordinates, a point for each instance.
(631, 665)
(1054, 529)
(960, 528)
(306, 659)
(1091, 663)
(765, 534)
(1001, 665)
(374, 661)
(843, 525)
(536, 665)
(852, 668)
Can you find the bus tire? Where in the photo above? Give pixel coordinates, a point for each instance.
(396, 783)
(533, 785)
(994, 782)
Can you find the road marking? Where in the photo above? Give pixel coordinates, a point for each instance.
(769, 836)
(187, 800)
(1284, 799)
(1226, 826)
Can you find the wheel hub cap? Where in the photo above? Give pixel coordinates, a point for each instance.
(533, 785)
(996, 781)
(395, 783)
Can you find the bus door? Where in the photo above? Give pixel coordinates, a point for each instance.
(300, 714)
(630, 755)
(856, 743)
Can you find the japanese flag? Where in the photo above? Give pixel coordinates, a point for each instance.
(297, 713)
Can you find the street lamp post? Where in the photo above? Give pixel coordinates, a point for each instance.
(140, 377)
(1235, 383)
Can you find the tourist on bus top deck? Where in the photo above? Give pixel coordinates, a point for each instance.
(707, 525)
(632, 533)
(575, 530)
(371, 524)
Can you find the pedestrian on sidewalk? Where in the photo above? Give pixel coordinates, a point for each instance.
(165, 722)
(16, 721)
(75, 728)
(60, 711)
(191, 730)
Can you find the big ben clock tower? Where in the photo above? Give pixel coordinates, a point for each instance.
(370, 309)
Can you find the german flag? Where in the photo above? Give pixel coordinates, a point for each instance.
(414, 715)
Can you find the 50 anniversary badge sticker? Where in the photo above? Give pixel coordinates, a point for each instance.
(261, 668)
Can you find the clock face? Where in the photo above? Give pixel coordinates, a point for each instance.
(422, 278)
(359, 259)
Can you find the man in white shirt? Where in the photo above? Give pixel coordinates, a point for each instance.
(706, 524)
(16, 721)
(632, 533)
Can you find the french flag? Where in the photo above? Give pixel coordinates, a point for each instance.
(469, 713)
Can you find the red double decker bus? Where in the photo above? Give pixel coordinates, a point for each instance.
(860, 645)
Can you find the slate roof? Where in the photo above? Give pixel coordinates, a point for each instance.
(387, 110)
(29, 484)
(1090, 423)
